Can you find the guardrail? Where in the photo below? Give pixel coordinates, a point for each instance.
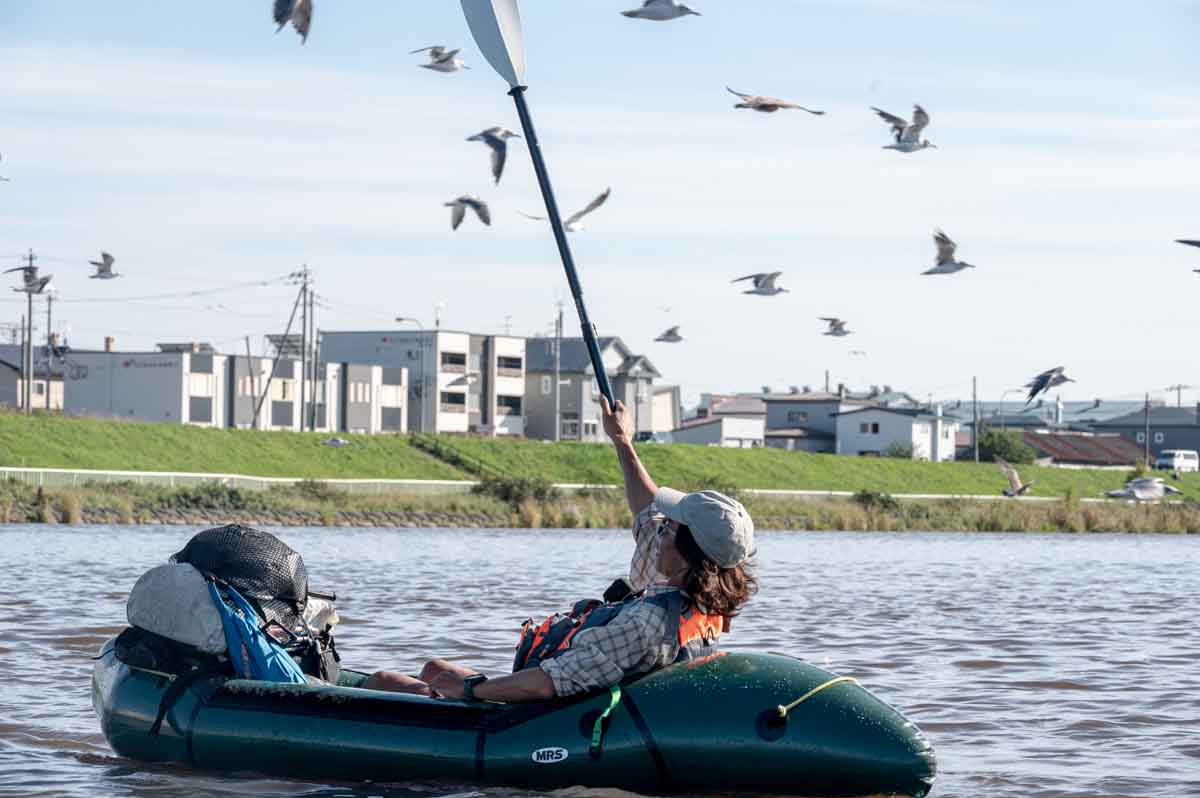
(79, 477)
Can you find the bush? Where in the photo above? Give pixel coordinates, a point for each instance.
(717, 482)
(1007, 445)
(211, 495)
(870, 500)
(899, 450)
(517, 490)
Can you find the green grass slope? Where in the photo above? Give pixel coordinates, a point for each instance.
(689, 466)
(55, 442)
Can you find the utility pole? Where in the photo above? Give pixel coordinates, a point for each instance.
(49, 343)
(28, 364)
(558, 329)
(1146, 433)
(312, 341)
(975, 416)
(1179, 389)
(303, 343)
(252, 375)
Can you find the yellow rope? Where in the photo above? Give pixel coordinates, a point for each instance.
(784, 710)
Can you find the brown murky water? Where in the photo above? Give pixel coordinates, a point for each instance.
(1039, 665)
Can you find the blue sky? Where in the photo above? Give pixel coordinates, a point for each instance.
(202, 149)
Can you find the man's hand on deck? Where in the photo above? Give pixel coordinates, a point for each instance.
(617, 424)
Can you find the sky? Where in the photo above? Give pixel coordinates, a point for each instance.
(210, 154)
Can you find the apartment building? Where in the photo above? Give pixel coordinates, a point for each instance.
(458, 382)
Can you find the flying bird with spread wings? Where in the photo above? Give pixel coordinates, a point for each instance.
(1015, 486)
(441, 59)
(297, 12)
(837, 327)
(104, 267)
(671, 336)
(907, 134)
(946, 263)
(497, 140)
(660, 11)
(764, 283)
(31, 282)
(1042, 383)
(574, 222)
(767, 105)
(458, 210)
(1144, 489)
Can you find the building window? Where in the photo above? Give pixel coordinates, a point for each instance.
(1158, 437)
(875, 428)
(797, 417)
(570, 430)
(1141, 437)
(589, 429)
(39, 388)
(413, 354)
(864, 428)
(453, 402)
(508, 366)
(508, 404)
(547, 385)
(454, 362)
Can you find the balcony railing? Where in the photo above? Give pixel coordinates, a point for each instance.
(507, 372)
(454, 368)
(449, 407)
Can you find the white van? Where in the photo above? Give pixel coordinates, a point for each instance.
(1178, 460)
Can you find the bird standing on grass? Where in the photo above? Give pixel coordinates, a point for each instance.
(907, 134)
(1015, 486)
(458, 210)
(946, 264)
(660, 11)
(767, 105)
(497, 140)
(297, 12)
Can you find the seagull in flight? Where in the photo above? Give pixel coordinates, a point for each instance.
(497, 140)
(767, 105)
(32, 284)
(1042, 383)
(458, 210)
(1191, 242)
(660, 11)
(837, 327)
(441, 59)
(764, 284)
(858, 353)
(671, 336)
(1015, 486)
(1144, 489)
(104, 267)
(574, 222)
(907, 134)
(946, 264)
(297, 12)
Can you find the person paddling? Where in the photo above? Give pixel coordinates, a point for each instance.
(689, 575)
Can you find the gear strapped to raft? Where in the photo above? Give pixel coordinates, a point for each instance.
(696, 632)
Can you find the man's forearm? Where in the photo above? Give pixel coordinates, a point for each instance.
(639, 487)
(531, 684)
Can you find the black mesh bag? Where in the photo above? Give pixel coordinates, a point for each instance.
(260, 566)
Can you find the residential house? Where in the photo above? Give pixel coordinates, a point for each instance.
(47, 379)
(631, 375)
(666, 408)
(805, 420)
(1170, 428)
(728, 431)
(457, 381)
(876, 430)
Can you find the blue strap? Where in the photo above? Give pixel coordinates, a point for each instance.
(255, 654)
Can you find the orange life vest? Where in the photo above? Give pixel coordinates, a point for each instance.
(696, 632)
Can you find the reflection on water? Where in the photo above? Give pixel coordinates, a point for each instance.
(1038, 665)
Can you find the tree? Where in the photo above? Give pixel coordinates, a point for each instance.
(1007, 445)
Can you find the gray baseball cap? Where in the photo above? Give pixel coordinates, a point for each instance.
(721, 526)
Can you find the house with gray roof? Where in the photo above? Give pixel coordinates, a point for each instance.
(1170, 428)
(631, 375)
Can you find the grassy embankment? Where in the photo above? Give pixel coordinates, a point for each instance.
(46, 441)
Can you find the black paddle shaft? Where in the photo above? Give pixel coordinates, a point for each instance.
(560, 237)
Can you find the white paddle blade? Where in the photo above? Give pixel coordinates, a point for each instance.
(496, 26)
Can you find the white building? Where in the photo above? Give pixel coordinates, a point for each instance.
(457, 381)
(728, 431)
(874, 430)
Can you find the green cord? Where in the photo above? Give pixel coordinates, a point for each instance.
(614, 698)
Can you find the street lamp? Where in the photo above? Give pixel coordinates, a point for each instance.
(1006, 393)
(419, 391)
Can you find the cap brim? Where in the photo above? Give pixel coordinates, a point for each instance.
(667, 501)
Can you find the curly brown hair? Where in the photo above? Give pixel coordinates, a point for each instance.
(720, 591)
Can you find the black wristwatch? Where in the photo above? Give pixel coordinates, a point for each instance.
(469, 685)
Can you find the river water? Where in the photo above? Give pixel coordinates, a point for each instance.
(1038, 665)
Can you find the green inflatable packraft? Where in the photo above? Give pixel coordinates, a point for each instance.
(739, 721)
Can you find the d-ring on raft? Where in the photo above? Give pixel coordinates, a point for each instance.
(705, 726)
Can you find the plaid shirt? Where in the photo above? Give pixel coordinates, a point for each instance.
(638, 640)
